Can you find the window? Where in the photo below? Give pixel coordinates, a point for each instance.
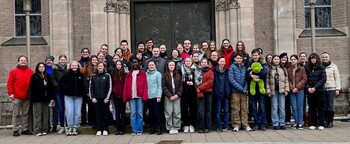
(35, 19)
(323, 12)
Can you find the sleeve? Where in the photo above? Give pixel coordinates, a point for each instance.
(145, 88)
(208, 83)
(268, 88)
(10, 83)
(232, 80)
(166, 92)
(179, 93)
(307, 86)
(303, 81)
(91, 88)
(51, 88)
(337, 78)
(62, 84)
(286, 82)
(54, 78)
(159, 86)
(109, 83)
(125, 99)
(32, 87)
(322, 81)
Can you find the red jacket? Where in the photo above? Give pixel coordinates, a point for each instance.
(18, 82)
(118, 87)
(141, 86)
(227, 54)
(207, 83)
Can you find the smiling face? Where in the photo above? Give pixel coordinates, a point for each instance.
(204, 63)
(118, 65)
(214, 56)
(226, 44)
(171, 66)
(62, 61)
(222, 62)
(174, 54)
(104, 49)
(41, 68)
(141, 47)
(180, 48)
(100, 67)
(151, 66)
(94, 61)
(74, 66)
(188, 62)
(162, 48)
(205, 46)
(293, 61)
(276, 60)
(325, 58)
(85, 53)
(22, 61)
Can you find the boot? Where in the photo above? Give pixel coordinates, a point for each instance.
(159, 130)
(153, 130)
(326, 119)
(330, 119)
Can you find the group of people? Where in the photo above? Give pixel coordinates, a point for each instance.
(182, 91)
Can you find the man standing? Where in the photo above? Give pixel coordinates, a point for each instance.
(127, 55)
(160, 62)
(17, 89)
(84, 60)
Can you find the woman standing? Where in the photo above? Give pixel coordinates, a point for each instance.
(118, 76)
(172, 89)
(316, 75)
(240, 47)
(154, 81)
(58, 72)
(297, 80)
(72, 86)
(41, 96)
(90, 70)
(136, 91)
(277, 87)
(226, 51)
(332, 87)
(204, 90)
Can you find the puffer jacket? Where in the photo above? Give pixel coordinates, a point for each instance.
(316, 78)
(141, 86)
(100, 86)
(297, 79)
(333, 78)
(237, 78)
(72, 83)
(58, 72)
(154, 80)
(207, 83)
(19, 81)
(283, 82)
(225, 91)
(39, 92)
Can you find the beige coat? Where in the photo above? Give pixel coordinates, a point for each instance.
(283, 81)
(333, 78)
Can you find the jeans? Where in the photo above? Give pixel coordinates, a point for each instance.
(154, 112)
(317, 101)
(278, 109)
(297, 102)
(221, 106)
(58, 110)
(119, 112)
(101, 110)
(73, 110)
(41, 116)
(204, 111)
(259, 115)
(136, 117)
(330, 96)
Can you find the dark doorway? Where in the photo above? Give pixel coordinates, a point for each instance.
(171, 22)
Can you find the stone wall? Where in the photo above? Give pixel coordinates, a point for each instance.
(263, 25)
(81, 26)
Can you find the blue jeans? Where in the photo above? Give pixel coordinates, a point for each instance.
(136, 117)
(58, 110)
(278, 112)
(297, 102)
(221, 104)
(73, 110)
(259, 116)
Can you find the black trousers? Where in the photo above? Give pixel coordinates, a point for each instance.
(204, 111)
(288, 109)
(119, 106)
(189, 107)
(317, 103)
(102, 111)
(90, 111)
(154, 112)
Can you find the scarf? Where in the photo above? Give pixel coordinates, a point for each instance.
(327, 64)
(187, 72)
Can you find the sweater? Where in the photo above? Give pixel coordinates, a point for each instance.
(118, 87)
(18, 82)
(72, 84)
(333, 78)
(154, 81)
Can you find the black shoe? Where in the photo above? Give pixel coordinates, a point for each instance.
(159, 131)
(200, 131)
(121, 133)
(54, 129)
(26, 132)
(15, 133)
(276, 128)
(263, 128)
(283, 127)
(83, 123)
(117, 133)
(153, 131)
(219, 130)
(206, 131)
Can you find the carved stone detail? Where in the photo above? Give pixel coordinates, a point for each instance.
(117, 6)
(221, 5)
(123, 7)
(232, 4)
(109, 6)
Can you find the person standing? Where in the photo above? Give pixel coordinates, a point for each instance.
(89, 71)
(17, 89)
(226, 51)
(332, 87)
(160, 62)
(41, 96)
(118, 77)
(72, 87)
(84, 62)
(100, 89)
(240, 47)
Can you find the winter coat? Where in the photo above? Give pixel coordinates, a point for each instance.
(58, 72)
(283, 82)
(297, 79)
(207, 83)
(222, 92)
(72, 84)
(100, 86)
(161, 64)
(168, 87)
(141, 86)
(333, 78)
(154, 81)
(237, 78)
(18, 82)
(316, 78)
(39, 91)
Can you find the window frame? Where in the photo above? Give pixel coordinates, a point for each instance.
(30, 15)
(318, 6)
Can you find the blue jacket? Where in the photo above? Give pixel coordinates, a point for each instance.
(216, 87)
(154, 81)
(262, 74)
(237, 78)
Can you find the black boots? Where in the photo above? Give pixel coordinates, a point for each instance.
(329, 116)
(155, 130)
(159, 130)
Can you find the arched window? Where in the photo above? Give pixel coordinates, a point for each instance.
(35, 19)
(323, 12)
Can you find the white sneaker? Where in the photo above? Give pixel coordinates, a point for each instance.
(176, 131)
(61, 130)
(321, 128)
(248, 129)
(98, 133)
(186, 129)
(312, 127)
(191, 129)
(44, 133)
(235, 129)
(171, 131)
(39, 134)
(105, 133)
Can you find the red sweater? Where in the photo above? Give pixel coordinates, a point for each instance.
(207, 83)
(118, 87)
(141, 86)
(227, 54)
(18, 82)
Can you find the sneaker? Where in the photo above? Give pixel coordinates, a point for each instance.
(105, 133)
(236, 129)
(248, 129)
(300, 127)
(98, 133)
(138, 134)
(295, 126)
(44, 133)
(39, 134)
(288, 125)
(321, 128)
(186, 129)
(54, 129)
(75, 131)
(206, 131)
(15, 133)
(191, 129)
(219, 130)
(176, 131)
(255, 128)
(61, 130)
(26, 132)
(312, 127)
(133, 134)
(171, 131)
(69, 131)
(263, 128)
(200, 131)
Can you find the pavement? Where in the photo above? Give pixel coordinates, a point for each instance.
(340, 133)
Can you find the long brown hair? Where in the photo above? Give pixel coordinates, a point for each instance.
(118, 74)
(90, 69)
(279, 64)
(318, 63)
(167, 74)
(243, 51)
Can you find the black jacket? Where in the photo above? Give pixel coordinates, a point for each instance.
(72, 83)
(100, 86)
(219, 91)
(40, 92)
(316, 78)
(58, 72)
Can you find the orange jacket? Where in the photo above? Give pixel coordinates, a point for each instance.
(18, 82)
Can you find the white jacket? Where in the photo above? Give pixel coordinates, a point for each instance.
(333, 78)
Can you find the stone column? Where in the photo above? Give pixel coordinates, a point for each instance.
(98, 25)
(233, 9)
(220, 21)
(124, 20)
(110, 9)
(246, 29)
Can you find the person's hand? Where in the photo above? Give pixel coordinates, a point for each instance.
(158, 100)
(310, 90)
(269, 94)
(88, 95)
(176, 97)
(295, 90)
(285, 93)
(172, 98)
(12, 97)
(255, 76)
(313, 90)
(94, 100)
(106, 100)
(337, 92)
(198, 90)
(52, 102)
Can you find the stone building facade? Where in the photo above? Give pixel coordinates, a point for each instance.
(274, 25)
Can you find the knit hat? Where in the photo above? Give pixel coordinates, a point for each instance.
(325, 54)
(283, 55)
(49, 58)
